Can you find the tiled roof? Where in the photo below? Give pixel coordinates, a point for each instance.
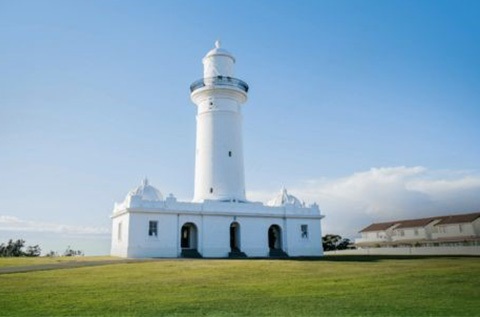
(459, 218)
(422, 222)
(415, 223)
(379, 226)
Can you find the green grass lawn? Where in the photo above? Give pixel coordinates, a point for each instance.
(25, 261)
(332, 286)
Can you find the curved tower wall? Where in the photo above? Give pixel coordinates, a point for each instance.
(219, 169)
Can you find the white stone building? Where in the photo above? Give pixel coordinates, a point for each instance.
(220, 221)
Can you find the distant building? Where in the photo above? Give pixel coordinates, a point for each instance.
(451, 230)
(219, 221)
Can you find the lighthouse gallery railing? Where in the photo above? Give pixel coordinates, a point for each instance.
(219, 81)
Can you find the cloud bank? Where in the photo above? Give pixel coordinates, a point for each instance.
(388, 193)
(10, 223)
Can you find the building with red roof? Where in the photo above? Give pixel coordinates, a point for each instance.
(450, 230)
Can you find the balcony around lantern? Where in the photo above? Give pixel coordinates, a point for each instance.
(219, 81)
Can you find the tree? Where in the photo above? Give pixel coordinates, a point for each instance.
(70, 252)
(343, 244)
(12, 248)
(334, 242)
(33, 250)
(15, 249)
(51, 254)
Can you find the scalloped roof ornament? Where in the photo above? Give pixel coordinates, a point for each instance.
(285, 199)
(146, 192)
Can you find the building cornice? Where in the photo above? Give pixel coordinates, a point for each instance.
(150, 211)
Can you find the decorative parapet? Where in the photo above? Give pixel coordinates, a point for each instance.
(171, 205)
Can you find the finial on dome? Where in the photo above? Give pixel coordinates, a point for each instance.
(145, 181)
(217, 44)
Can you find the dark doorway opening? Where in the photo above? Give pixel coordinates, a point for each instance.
(235, 237)
(275, 237)
(188, 239)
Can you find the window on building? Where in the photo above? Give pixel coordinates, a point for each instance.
(153, 228)
(402, 233)
(460, 227)
(441, 229)
(119, 231)
(230, 153)
(415, 232)
(211, 190)
(304, 231)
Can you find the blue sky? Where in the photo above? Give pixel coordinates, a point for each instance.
(369, 108)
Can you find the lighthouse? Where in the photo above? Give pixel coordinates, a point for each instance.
(219, 222)
(219, 169)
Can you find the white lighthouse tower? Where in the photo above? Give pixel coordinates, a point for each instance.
(219, 170)
(219, 222)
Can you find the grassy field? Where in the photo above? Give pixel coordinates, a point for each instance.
(24, 261)
(332, 286)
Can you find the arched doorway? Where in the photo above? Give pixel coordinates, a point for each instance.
(188, 239)
(275, 237)
(235, 237)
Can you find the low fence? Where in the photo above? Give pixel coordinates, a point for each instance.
(457, 250)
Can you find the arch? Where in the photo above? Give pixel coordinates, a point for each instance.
(235, 236)
(189, 236)
(275, 237)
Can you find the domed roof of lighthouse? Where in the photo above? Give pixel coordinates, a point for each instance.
(284, 198)
(146, 192)
(218, 51)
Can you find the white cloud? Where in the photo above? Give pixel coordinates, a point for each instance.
(10, 223)
(382, 194)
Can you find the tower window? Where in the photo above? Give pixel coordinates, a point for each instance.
(211, 190)
(119, 232)
(211, 103)
(230, 153)
(153, 228)
(304, 231)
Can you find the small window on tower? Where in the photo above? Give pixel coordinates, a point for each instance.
(211, 103)
(119, 231)
(230, 153)
(153, 228)
(304, 231)
(211, 190)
